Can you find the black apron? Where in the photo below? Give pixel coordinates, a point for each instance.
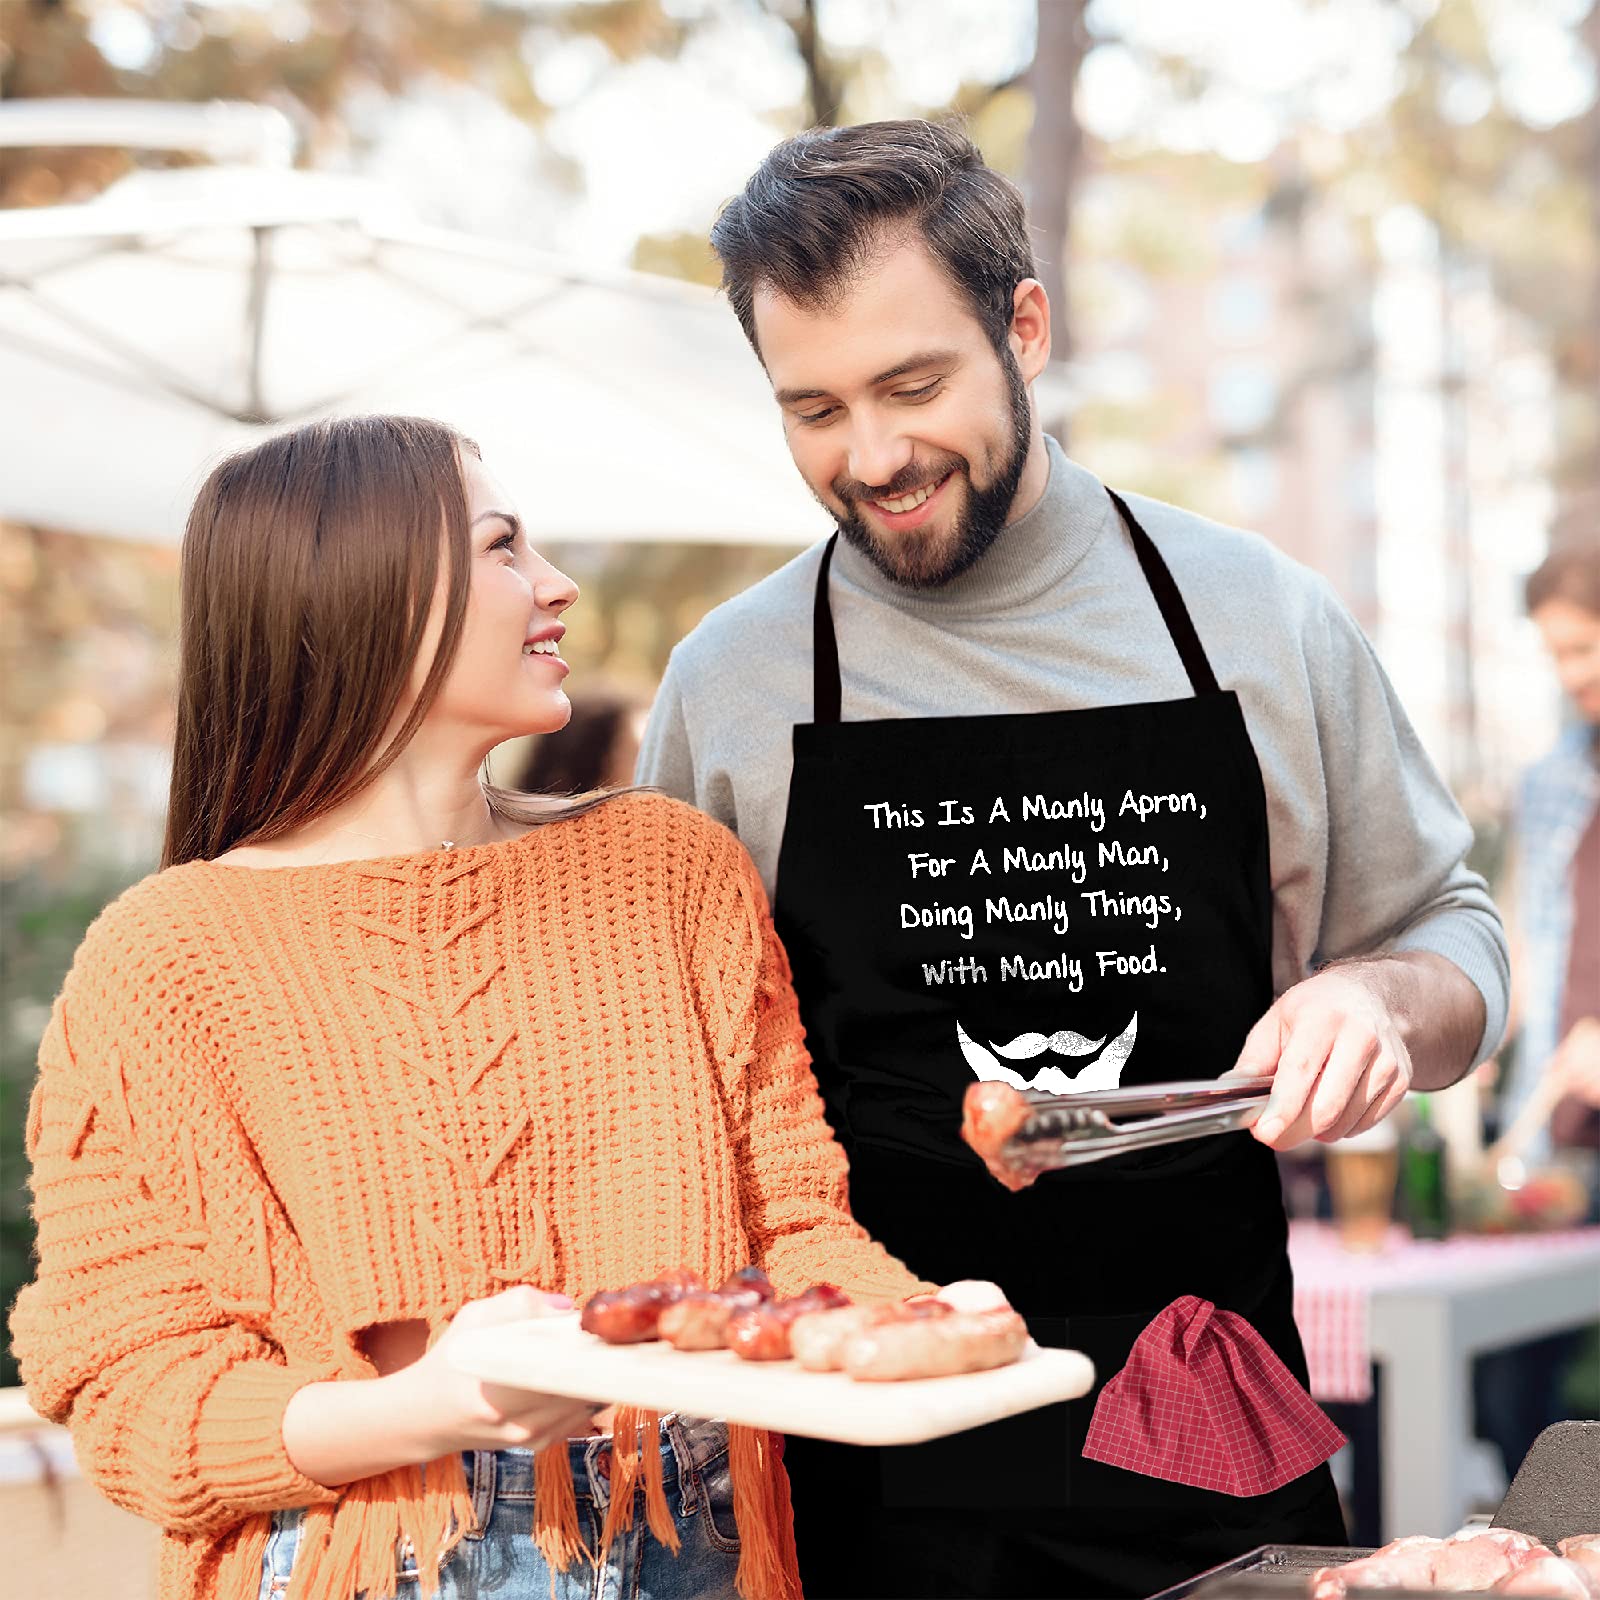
(1075, 898)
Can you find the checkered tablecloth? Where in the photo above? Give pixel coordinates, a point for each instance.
(1333, 1289)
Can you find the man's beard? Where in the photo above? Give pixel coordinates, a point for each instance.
(912, 559)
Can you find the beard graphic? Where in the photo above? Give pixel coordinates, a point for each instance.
(1104, 1072)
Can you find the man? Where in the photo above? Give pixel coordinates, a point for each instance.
(1556, 850)
(1557, 844)
(1061, 788)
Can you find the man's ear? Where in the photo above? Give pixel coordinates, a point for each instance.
(1030, 328)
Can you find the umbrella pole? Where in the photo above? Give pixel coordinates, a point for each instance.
(255, 323)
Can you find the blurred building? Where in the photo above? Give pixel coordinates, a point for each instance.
(1369, 405)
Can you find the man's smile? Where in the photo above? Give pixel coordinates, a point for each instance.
(910, 510)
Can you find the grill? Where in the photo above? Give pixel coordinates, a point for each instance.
(1555, 1494)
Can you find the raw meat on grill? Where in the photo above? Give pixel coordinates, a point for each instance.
(1550, 1575)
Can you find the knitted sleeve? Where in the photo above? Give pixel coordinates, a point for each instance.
(173, 1403)
(793, 1174)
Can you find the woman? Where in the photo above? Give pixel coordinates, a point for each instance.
(379, 1042)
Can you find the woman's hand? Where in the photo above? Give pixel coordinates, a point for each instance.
(449, 1410)
(337, 1432)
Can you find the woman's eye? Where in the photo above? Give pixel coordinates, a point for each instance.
(506, 541)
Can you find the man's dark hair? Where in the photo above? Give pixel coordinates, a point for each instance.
(812, 215)
(1572, 575)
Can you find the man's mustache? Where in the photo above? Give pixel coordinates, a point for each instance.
(902, 483)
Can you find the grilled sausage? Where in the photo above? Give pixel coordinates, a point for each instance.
(633, 1315)
(818, 1339)
(699, 1321)
(697, 1318)
(749, 1280)
(761, 1333)
(936, 1347)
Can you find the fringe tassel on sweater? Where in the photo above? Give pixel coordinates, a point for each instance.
(767, 1566)
(355, 1547)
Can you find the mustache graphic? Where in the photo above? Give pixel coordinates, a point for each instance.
(1028, 1045)
(1103, 1073)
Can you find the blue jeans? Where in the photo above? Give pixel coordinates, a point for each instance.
(498, 1556)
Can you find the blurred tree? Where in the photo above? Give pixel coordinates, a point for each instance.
(1055, 148)
(678, 255)
(1519, 200)
(824, 92)
(1578, 521)
(309, 58)
(306, 59)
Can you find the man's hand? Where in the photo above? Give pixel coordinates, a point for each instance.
(1335, 1054)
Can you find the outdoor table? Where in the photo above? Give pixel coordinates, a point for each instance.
(1425, 1309)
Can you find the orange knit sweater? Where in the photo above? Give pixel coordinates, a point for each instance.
(277, 1106)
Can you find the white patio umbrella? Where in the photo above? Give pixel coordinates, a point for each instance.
(183, 314)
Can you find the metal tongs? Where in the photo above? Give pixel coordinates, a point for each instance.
(1069, 1130)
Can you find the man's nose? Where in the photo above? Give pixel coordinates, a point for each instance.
(877, 454)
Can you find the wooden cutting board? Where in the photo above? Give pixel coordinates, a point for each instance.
(554, 1355)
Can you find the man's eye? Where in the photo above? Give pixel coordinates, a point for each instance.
(812, 417)
(924, 393)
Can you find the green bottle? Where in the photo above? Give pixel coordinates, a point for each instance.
(1423, 1180)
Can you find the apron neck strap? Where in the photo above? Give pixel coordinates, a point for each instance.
(825, 645)
(1173, 611)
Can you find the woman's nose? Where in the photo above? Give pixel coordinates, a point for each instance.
(555, 591)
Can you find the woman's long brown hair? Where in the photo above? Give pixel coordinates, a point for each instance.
(309, 567)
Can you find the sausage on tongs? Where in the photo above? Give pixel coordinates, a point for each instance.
(699, 1321)
(991, 1115)
(633, 1315)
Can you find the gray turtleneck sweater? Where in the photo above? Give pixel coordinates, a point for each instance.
(1367, 844)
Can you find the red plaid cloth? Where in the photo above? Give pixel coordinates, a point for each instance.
(1203, 1400)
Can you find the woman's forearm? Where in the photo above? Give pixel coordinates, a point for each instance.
(354, 1428)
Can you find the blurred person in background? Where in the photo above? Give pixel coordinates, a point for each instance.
(1555, 927)
(596, 750)
(991, 623)
(1556, 845)
(323, 1092)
